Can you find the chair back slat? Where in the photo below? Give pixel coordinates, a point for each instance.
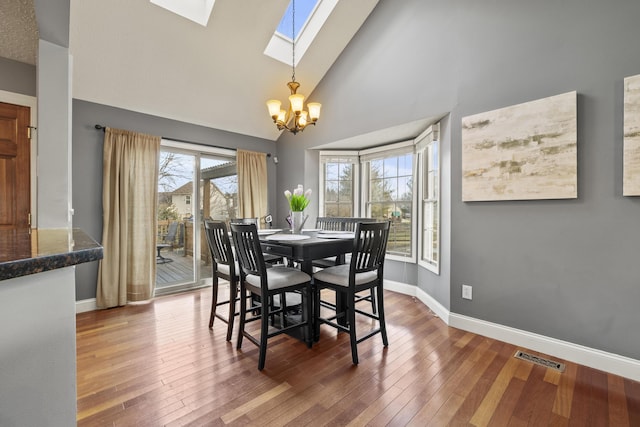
(370, 247)
(340, 223)
(349, 224)
(329, 223)
(219, 243)
(248, 249)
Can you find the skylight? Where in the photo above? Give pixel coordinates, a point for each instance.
(310, 17)
(303, 11)
(197, 11)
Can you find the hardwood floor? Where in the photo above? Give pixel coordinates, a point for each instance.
(159, 364)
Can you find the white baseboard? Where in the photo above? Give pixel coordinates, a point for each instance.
(86, 305)
(593, 358)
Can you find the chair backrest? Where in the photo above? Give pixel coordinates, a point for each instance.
(243, 221)
(219, 244)
(350, 223)
(370, 248)
(329, 223)
(172, 230)
(340, 223)
(248, 249)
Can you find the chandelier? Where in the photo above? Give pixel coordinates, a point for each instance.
(296, 118)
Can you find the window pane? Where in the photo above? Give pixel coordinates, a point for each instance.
(405, 188)
(390, 167)
(331, 209)
(391, 198)
(431, 195)
(338, 181)
(345, 195)
(345, 210)
(332, 171)
(331, 191)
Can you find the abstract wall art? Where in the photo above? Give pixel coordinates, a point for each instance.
(522, 152)
(631, 140)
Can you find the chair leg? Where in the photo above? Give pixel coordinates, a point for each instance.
(243, 315)
(233, 295)
(214, 300)
(316, 313)
(373, 300)
(308, 312)
(264, 330)
(351, 314)
(381, 320)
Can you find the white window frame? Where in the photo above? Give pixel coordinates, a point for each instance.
(424, 142)
(338, 157)
(391, 150)
(279, 46)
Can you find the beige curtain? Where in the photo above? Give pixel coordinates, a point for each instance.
(252, 184)
(127, 271)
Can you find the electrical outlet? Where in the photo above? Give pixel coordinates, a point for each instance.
(467, 292)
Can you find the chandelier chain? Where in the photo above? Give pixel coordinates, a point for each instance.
(296, 118)
(293, 40)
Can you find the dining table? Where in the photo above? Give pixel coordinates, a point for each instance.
(305, 247)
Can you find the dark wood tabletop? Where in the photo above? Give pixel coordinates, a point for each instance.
(306, 250)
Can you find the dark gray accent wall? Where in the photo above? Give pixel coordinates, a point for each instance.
(566, 269)
(87, 165)
(17, 77)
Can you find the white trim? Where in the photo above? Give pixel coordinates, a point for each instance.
(85, 305)
(197, 148)
(440, 310)
(32, 103)
(387, 150)
(426, 299)
(575, 353)
(593, 358)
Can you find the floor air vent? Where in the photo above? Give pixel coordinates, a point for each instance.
(547, 363)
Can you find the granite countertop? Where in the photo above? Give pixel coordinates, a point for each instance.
(24, 252)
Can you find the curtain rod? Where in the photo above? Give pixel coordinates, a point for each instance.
(102, 128)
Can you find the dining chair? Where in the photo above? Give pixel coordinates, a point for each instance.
(224, 267)
(365, 271)
(347, 224)
(166, 242)
(267, 283)
(268, 258)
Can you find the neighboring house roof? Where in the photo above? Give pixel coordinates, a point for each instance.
(185, 189)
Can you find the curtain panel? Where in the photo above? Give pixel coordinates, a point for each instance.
(252, 184)
(129, 198)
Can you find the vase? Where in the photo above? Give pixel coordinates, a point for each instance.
(298, 219)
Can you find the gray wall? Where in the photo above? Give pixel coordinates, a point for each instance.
(87, 165)
(17, 77)
(566, 269)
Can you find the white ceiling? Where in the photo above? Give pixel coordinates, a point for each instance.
(135, 55)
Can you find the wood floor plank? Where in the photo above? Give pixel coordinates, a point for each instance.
(159, 364)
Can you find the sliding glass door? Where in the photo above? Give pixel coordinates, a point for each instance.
(183, 259)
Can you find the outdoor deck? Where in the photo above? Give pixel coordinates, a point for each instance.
(180, 270)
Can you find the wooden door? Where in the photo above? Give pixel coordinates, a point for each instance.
(15, 166)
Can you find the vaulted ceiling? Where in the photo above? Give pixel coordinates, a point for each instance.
(135, 55)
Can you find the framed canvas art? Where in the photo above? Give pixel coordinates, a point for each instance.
(631, 140)
(522, 152)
